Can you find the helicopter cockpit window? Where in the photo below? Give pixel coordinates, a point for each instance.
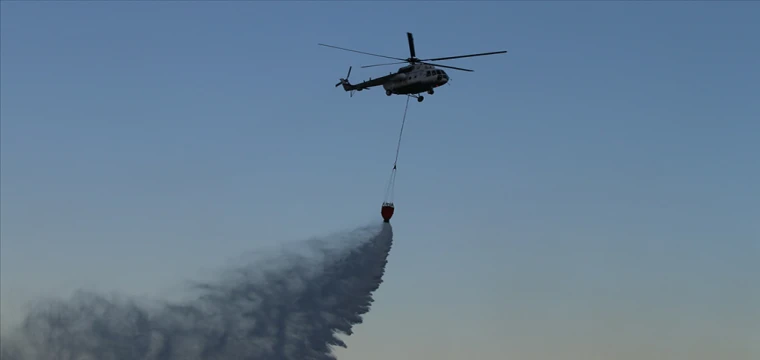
(428, 73)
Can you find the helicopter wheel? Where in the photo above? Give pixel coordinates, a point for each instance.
(420, 98)
(431, 91)
(388, 92)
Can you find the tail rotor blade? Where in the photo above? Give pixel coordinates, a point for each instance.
(346, 79)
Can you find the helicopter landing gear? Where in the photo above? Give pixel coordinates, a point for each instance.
(388, 92)
(418, 96)
(431, 91)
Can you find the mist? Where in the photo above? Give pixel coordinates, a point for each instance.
(290, 307)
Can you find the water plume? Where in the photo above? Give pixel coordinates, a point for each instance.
(293, 309)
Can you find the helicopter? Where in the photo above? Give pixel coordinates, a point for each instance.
(418, 77)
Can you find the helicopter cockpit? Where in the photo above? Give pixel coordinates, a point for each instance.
(438, 73)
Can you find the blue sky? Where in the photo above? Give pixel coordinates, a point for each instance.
(592, 194)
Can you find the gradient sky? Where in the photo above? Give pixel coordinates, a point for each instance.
(592, 194)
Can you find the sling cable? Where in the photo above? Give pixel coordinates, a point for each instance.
(387, 210)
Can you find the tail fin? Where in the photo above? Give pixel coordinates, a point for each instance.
(346, 85)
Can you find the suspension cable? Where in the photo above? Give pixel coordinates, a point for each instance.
(403, 121)
(390, 190)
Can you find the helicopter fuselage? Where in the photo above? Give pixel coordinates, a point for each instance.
(415, 79)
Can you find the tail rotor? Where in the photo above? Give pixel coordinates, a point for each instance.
(344, 81)
(347, 85)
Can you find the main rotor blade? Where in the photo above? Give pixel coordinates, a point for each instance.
(361, 52)
(411, 45)
(448, 67)
(464, 56)
(394, 63)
